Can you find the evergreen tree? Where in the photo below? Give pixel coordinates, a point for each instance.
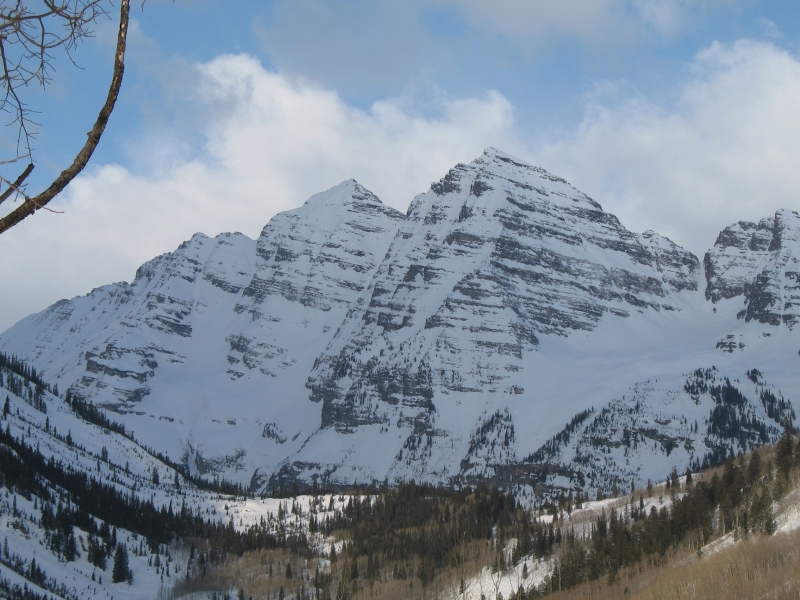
(797, 454)
(6, 407)
(754, 468)
(121, 570)
(155, 476)
(70, 548)
(785, 449)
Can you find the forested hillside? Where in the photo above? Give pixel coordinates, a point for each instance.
(418, 541)
(80, 497)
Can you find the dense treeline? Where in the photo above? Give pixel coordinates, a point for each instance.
(417, 531)
(739, 499)
(86, 499)
(778, 409)
(421, 528)
(729, 418)
(551, 446)
(32, 394)
(91, 414)
(21, 368)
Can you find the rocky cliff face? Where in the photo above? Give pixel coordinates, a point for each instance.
(351, 342)
(496, 255)
(314, 262)
(759, 264)
(117, 337)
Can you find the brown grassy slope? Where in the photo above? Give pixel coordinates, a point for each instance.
(760, 567)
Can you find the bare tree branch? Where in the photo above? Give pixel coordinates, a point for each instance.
(15, 187)
(32, 204)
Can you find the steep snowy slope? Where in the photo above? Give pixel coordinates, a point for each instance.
(205, 353)
(54, 548)
(452, 344)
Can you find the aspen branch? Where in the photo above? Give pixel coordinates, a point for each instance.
(32, 204)
(14, 187)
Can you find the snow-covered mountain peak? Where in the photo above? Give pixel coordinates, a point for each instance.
(198, 255)
(223, 317)
(347, 192)
(335, 240)
(498, 170)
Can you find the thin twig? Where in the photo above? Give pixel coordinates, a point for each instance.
(27, 41)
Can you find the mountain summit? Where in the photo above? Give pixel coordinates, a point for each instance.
(506, 328)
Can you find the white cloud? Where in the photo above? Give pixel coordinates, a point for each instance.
(769, 29)
(533, 24)
(270, 143)
(667, 17)
(725, 151)
(367, 47)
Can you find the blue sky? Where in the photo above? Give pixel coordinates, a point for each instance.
(369, 51)
(677, 115)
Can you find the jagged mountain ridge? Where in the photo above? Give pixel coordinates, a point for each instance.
(758, 261)
(353, 343)
(197, 336)
(494, 256)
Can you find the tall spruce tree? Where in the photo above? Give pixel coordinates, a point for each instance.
(121, 571)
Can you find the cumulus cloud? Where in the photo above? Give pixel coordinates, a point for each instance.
(725, 151)
(269, 143)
